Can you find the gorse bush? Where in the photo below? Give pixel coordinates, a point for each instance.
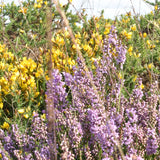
(108, 111)
(20, 81)
(25, 55)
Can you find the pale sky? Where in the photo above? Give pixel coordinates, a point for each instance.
(111, 8)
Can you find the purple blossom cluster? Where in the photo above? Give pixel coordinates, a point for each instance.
(27, 145)
(151, 144)
(94, 119)
(114, 49)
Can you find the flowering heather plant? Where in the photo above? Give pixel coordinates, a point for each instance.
(93, 125)
(101, 126)
(28, 144)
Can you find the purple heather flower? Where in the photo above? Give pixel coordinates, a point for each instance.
(103, 131)
(158, 120)
(66, 153)
(39, 129)
(22, 145)
(18, 154)
(17, 136)
(37, 154)
(56, 92)
(75, 130)
(127, 134)
(1, 134)
(120, 50)
(133, 157)
(152, 144)
(106, 158)
(88, 153)
(137, 94)
(116, 90)
(3, 152)
(29, 157)
(132, 116)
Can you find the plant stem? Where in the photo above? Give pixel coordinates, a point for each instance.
(51, 128)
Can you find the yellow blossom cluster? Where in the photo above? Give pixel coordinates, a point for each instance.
(133, 27)
(150, 65)
(149, 45)
(107, 28)
(126, 34)
(25, 112)
(156, 7)
(39, 4)
(60, 57)
(125, 20)
(5, 126)
(23, 10)
(18, 76)
(130, 51)
(64, 50)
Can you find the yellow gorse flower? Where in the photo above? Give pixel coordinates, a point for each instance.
(141, 86)
(21, 111)
(18, 75)
(130, 49)
(148, 42)
(2, 5)
(2, 48)
(126, 20)
(135, 78)
(2, 65)
(45, 2)
(74, 46)
(129, 35)
(78, 35)
(39, 1)
(36, 94)
(137, 55)
(70, 1)
(152, 46)
(43, 116)
(5, 126)
(37, 5)
(1, 105)
(133, 27)
(26, 116)
(150, 65)
(86, 47)
(23, 10)
(21, 30)
(107, 30)
(144, 35)
(120, 76)
(156, 7)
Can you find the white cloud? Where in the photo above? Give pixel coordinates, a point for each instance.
(114, 8)
(111, 8)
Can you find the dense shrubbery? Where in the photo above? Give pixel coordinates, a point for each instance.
(110, 112)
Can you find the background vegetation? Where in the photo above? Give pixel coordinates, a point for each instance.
(129, 49)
